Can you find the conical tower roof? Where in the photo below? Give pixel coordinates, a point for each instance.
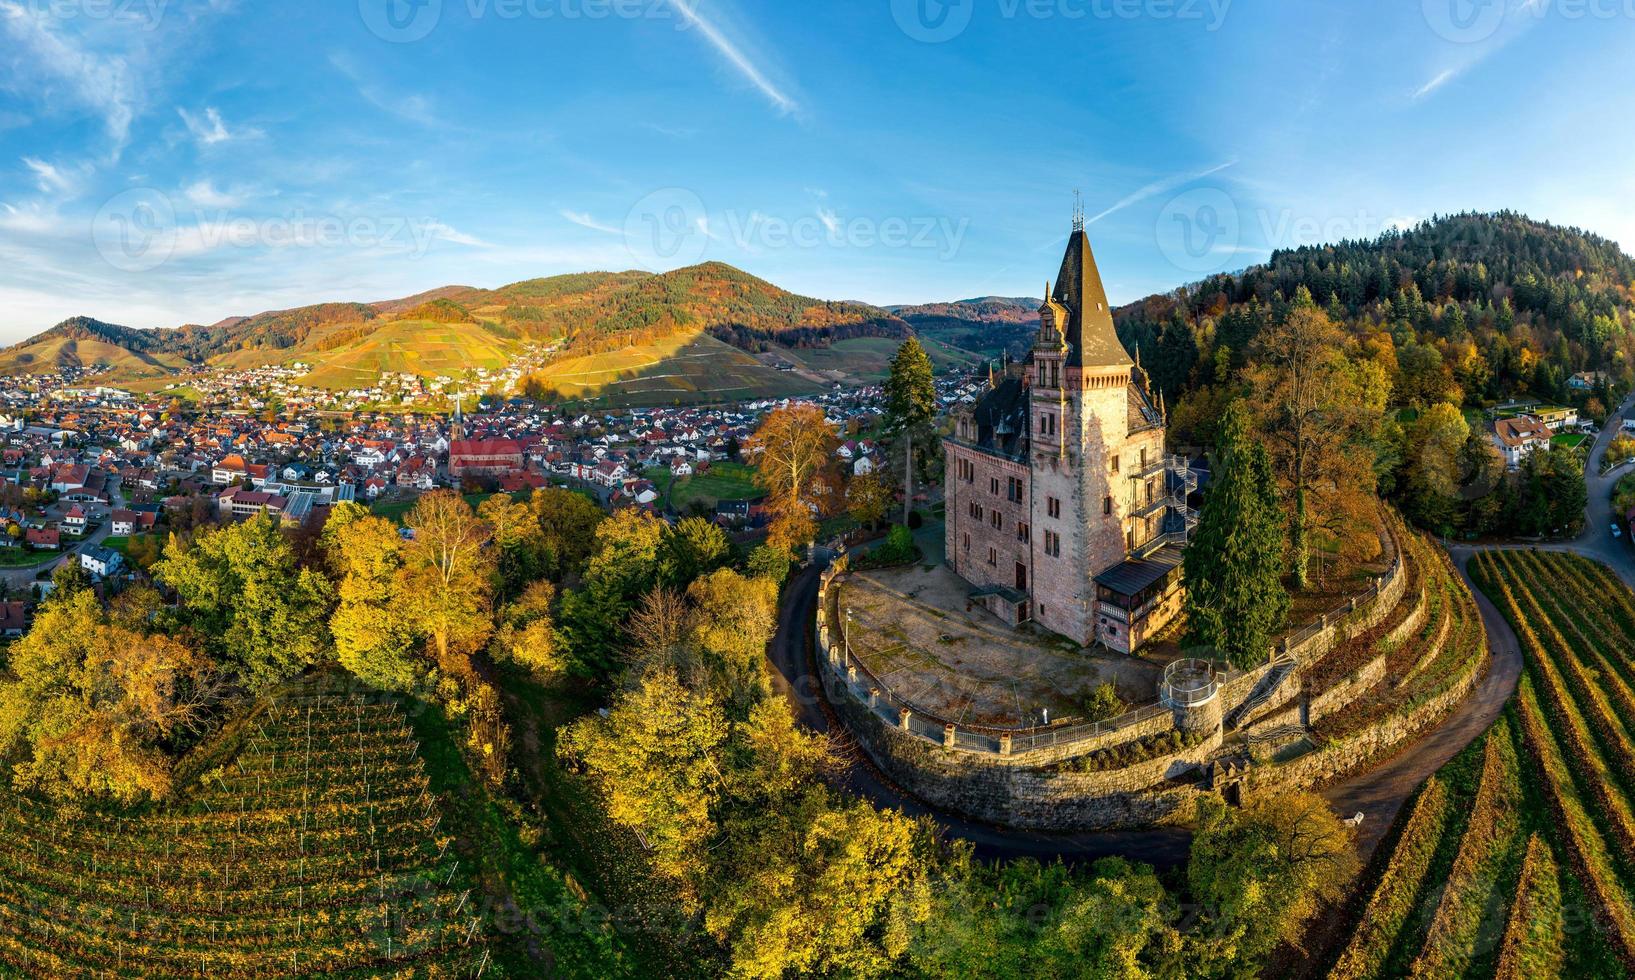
(1091, 339)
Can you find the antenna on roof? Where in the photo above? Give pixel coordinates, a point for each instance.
(1078, 211)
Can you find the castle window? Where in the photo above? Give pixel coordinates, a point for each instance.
(1143, 459)
(993, 557)
(1053, 544)
(1013, 490)
(1107, 504)
(1115, 464)
(1047, 424)
(1053, 507)
(998, 521)
(1023, 533)
(993, 485)
(967, 541)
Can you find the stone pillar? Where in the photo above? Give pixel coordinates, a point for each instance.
(851, 674)
(874, 697)
(903, 715)
(949, 735)
(1004, 745)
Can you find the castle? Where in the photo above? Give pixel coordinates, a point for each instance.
(1062, 507)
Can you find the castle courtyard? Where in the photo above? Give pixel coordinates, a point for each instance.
(912, 630)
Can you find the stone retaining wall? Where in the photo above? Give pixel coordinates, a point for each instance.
(984, 788)
(1343, 757)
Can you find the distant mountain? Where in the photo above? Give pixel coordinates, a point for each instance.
(644, 321)
(1469, 308)
(82, 342)
(991, 325)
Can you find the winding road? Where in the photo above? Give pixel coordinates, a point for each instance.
(1379, 792)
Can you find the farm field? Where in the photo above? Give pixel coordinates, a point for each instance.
(318, 850)
(1493, 866)
(681, 369)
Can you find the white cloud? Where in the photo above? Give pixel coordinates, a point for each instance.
(409, 106)
(830, 220)
(584, 220)
(209, 129)
(450, 234)
(1442, 78)
(205, 194)
(100, 82)
(734, 56)
(50, 178)
(1158, 187)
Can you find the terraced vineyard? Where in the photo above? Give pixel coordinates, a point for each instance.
(315, 852)
(1518, 859)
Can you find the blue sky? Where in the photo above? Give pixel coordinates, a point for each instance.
(171, 161)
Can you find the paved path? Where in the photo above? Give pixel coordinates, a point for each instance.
(1379, 793)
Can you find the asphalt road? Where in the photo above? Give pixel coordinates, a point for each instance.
(1379, 793)
(21, 579)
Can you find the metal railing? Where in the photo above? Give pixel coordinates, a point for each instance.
(861, 683)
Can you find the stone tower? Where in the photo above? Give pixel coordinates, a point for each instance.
(1062, 507)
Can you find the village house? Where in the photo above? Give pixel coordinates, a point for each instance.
(1519, 437)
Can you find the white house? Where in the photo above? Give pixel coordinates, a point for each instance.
(101, 562)
(1519, 438)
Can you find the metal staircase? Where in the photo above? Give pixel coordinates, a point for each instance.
(1282, 668)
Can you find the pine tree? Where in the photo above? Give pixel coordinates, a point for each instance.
(1235, 598)
(911, 405)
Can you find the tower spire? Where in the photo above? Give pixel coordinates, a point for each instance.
(1078, 212)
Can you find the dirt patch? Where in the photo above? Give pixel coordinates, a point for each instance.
(910, 627)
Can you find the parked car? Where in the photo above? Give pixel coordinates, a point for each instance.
(1617, 530)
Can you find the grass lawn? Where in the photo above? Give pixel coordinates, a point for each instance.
(119, 543)
(1572, 440)
(23, 558)
(397, 510)
(723, 481)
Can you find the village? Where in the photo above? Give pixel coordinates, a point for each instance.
(99, 475)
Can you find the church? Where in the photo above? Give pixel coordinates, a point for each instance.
(1063, 508)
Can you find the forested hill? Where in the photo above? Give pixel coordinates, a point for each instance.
(1470, 308)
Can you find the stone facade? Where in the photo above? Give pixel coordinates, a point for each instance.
(1062, 507)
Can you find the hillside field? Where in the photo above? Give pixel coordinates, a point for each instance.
(869, 358)
(419, 347)
(1518, 859)
(693, 368)
(318, 848)
(52, 354)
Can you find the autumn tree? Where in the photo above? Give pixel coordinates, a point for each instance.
(868, 499)
(567, 522)
(94, 708)
(795, 453)
(624, 566)
(655, 758)
(732, 620)
(447, 584)
(519, 542)
(910, 408)
(1320, 413)
(374, 637)
(243, 593)
(693, 547)
(1262, 872)
(526, 635)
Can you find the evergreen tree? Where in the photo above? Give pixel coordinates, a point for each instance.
(911, 405)
(1235, 599)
